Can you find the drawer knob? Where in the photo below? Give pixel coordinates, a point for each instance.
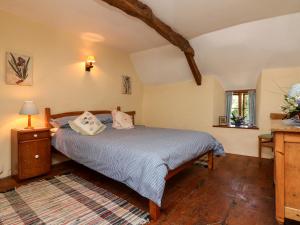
(35, 135)
(36, 156)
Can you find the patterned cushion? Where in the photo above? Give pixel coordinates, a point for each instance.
(87, 124)
(121, 120)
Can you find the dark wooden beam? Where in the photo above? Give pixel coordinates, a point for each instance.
(194, 68)
(143, 12)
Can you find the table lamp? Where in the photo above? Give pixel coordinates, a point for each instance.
(29, 108)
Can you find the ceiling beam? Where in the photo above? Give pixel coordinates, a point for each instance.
(143, 12)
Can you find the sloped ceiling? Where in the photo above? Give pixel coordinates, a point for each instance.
(95, 20)
(236, 55)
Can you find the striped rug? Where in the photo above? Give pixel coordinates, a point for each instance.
(66, 199)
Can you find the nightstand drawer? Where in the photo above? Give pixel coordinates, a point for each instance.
(33, 135)
(34, 158)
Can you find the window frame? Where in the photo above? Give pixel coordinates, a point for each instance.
(241, 102)
(229, 125)
(241, 99)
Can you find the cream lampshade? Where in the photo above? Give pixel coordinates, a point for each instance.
(29, 108)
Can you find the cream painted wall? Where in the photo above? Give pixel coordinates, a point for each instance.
(182, 105)
(271, 86)
(60, 80)
(274, 84)
(218, 101)
(238, 141)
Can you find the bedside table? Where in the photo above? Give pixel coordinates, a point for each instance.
(30, 152)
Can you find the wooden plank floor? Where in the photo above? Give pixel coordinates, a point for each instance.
(239, 191)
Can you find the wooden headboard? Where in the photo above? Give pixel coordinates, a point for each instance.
(49, 116)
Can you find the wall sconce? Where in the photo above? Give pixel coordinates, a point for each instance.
(89, 63)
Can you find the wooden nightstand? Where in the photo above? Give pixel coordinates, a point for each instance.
(31, 152)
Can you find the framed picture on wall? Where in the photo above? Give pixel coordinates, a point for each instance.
(18, 69)
(222, 120)
(126, 85)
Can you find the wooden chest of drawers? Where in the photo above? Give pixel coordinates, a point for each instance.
(287, 172)
(31, 152)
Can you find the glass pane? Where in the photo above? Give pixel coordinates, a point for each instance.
(246, 100)
(235, 106)
(235, 101)
(246, 107)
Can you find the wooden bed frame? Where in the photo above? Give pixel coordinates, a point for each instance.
(154, 209)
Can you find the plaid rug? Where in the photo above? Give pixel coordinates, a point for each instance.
(66, 199)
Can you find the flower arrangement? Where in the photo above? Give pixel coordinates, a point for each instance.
(292, 103)
(291, 106)
(238, 120)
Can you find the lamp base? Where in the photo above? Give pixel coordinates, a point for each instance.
(29, 128)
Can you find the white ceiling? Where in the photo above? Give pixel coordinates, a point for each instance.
(236, 55)
(94, 19)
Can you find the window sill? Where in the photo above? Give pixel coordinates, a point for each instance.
(241, 127)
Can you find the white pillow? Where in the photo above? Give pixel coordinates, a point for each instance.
(87, 124)
(121, 120)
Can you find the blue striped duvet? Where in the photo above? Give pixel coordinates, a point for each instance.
(139, 157)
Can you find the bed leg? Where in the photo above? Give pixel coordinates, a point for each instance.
(154, 210)
(210, 160)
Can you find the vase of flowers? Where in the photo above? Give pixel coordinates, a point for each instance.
(238, 120)
(291, 105)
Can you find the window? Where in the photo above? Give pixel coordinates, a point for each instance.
(241, 103)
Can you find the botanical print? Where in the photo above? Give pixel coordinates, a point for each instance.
(126, 85)
(18, 69)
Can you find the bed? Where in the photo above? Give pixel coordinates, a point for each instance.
(143, 158)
